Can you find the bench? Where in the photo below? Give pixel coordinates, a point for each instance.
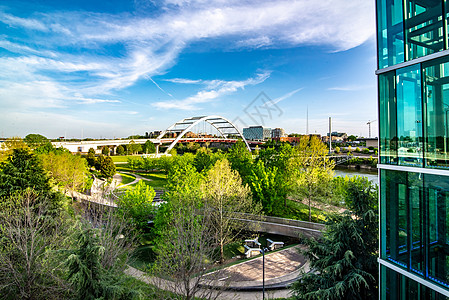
(250, 252)
(274, 245)
(253, 243)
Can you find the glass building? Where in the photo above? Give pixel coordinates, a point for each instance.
(413, 91)
(257, 133)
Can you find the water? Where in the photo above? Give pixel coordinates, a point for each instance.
(372, 176)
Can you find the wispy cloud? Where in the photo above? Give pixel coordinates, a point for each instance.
(220, 88)
(283, 97)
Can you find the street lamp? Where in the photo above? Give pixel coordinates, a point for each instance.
(263, 250)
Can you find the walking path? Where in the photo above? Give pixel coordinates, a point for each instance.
(138, 177)
(244, 280)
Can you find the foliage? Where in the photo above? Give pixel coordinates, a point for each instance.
(268, 187)
(337, 149)
(120, 150)
(344, 262)
(88, 277)
(68, 171)
(133, 148)
(136, 203)
(241, 159)
(225, 197)
(29, 268)
(108, 168)
(352, 138)
(34, 140)
(105, 150)
(149, 147)
(99, 162)
(8, 146)
(91, 160)
(311, 169)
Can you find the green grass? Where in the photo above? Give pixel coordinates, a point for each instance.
(299, 211)
(124, 158)
(123, 167)
(127, 178)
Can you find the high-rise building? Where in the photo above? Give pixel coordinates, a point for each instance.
(258, 133)
(413, 91)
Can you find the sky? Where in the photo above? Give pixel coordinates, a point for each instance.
(109, 69)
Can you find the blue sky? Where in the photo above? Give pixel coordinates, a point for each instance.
(117, 68)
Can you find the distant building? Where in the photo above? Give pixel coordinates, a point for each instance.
(337, 137)
(370, 142)
(278, 133)
(288, 139)
(259, 133)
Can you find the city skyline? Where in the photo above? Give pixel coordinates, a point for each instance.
(116, 69)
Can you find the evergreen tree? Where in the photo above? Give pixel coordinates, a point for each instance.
(344, 263)
(107, 168)
(120, 150)
(91, 157)
(105, 150)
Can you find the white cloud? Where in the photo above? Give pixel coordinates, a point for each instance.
(215, 90)
(21, 22)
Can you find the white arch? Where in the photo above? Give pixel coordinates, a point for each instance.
(191, 122)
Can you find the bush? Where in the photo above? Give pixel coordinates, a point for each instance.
(337, 150)
(357, 149)
(365, 151)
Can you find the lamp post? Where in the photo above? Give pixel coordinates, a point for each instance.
(263, 250)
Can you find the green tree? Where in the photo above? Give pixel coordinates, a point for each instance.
(149, 147)
(108, 168)
(241, 159)
(345, 261)
(8, 146)
(99, 162)
(30, 238)
(267, 187)
(133, 148)
(34, 140)
(105, 150)
(352, 138)
(120, 150)
(136, 203)
(203, 159)
(91, 160)
(67, 170)
(225, 197)
(311, 169)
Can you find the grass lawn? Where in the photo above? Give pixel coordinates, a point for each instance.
(127, 178)
(124, 158)
(299, 211)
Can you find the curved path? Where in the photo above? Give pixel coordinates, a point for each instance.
(138, 177)
(244, 280)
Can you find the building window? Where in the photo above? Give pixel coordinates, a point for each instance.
(423, 27)
(414, 230)
(387, 106)
(409, 116)
(390, 33)
(436, 82)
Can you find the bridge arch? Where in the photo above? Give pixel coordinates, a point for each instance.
(223, 126)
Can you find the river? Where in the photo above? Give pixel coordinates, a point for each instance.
(372, 176)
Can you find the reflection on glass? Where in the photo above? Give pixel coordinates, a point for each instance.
(409, 116)
(390, 35)
(387, 106)
(423, 27)
(436, 74)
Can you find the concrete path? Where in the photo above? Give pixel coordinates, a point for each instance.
(138, 177)
(244, 280)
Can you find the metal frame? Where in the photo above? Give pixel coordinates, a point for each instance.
(414, 169)
(193, 121)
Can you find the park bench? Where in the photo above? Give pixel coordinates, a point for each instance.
(251, 251)
(253, 243)
(274, 245)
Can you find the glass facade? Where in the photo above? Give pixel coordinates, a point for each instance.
(413, 148)
(408, 29)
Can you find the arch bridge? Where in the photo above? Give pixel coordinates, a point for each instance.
(221, 124)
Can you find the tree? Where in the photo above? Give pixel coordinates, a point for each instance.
(344, 263)
(241, 159)
(91, 160)
(120, 150)
(67, 170)
(105, 150)
(108, 168)
(149, 147)
(185, 244)
(34, 140)
(268, 187)
(225, 197)
(203, 159)
(8, 146)
(352, 138)
(30, 237)
(133, 147)
(311, 169)
(99, 162)
(136, 203)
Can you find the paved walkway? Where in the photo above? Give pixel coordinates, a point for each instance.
(244, 280)
(138, 177)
